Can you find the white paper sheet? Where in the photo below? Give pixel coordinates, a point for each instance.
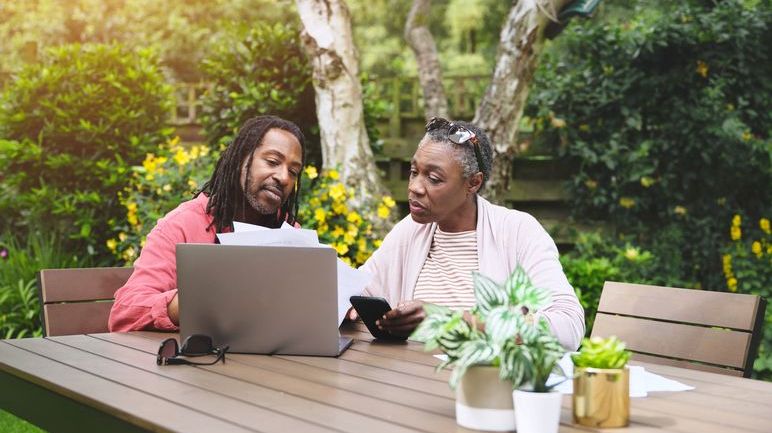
(642, 382)
(350, 281)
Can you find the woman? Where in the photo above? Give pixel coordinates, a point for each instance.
(452, 231)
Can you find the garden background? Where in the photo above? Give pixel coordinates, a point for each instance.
(644, 147)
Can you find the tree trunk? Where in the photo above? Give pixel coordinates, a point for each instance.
(502, 106)
(429, 72)
(328, 41)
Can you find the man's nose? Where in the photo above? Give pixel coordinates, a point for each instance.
(415, 187)
(282, 175)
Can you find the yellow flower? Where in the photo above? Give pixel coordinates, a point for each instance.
(557, 122)
(352, 230)
(129, 253)
(732, 284)
(736, 221)
(122, 236)
(631, 254)
(736, 233)
(590, 184)
(377, 243)
(646, 181)
(131, 213)
(112, 244)
(756, 248)
(347, 261)
(337, 232)
(702, 68)
(167, 187)
(764, 224)
(320, 215)
(388, 201)
(338, 191)
(679, 210)
(383, 212)
(339, 208)
(626, 202)
(349, 239)
(729, 107)
(314, 202)
(311, 172)
(361, 244)
(333, 174)
(192, 184)
(341, 248)
(584, 127)
(747, 136)
(181, 157)
(322, 229)
(354, 218)
(143, 241)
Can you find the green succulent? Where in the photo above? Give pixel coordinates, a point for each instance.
(599, 352)
(510, 336)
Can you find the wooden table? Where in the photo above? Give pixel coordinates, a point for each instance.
(110, 382)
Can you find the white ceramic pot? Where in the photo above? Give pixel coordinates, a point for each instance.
(537, 412)
(483, 401)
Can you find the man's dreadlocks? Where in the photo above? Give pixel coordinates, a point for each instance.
(224, 187)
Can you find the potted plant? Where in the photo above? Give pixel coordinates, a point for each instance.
(601, 383)
(537, 403)
(486, 347)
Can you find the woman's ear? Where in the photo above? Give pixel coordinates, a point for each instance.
(474, 183)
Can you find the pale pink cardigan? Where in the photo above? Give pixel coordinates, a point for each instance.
(505, 238)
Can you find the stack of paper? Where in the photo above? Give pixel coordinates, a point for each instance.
(350, 281)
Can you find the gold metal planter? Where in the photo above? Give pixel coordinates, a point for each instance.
(601, 397)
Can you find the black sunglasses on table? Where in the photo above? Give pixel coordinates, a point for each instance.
(195, 345)
(459, 135)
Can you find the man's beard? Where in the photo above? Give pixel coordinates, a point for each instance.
(261, 207)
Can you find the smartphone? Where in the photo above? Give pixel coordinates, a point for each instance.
(370, 309)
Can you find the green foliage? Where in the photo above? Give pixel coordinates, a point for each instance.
(78, 119)
(167, 177)
(179, 30)
(747, 262)
(326, 206)
(597, 258)
(12, 424)
(20, 262)
(602, 353)
(668, 119)
(260, 69)
(509, 336)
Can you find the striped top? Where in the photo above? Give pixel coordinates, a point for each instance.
(446, 277)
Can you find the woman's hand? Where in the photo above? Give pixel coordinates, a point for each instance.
(403, 320)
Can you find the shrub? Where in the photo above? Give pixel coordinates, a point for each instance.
(260, 69)
(747, 263)
(79, 119)
(166, 178)
(667, 118)
(325, 206)
(20, 262)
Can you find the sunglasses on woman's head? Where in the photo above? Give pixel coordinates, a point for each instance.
(457, 134)
(195, 345)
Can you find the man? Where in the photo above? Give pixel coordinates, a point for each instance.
(256, 181)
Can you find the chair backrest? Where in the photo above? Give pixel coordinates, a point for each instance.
(711, 331)
(78, 300)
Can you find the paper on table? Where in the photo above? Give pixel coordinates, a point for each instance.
(641, 381)
(350, 281)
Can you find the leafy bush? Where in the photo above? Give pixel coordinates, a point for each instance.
(166, 178)
(597, 259)
(256, 70)
(668, 118)
(20, 262)
(747, 263)
(77, 121)
(325, 206)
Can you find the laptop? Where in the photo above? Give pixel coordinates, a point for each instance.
(273, 300)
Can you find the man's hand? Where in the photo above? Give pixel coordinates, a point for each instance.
(403, 320)
(173, 308)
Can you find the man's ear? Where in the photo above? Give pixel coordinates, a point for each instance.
(474, 183)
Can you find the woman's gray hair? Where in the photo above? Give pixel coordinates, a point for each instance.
(466, 156)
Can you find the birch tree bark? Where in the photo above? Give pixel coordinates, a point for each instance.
(501, 108)
(328, 40)
(422, 43)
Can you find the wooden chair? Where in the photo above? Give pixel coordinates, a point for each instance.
(711, 331)
(78, 301)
